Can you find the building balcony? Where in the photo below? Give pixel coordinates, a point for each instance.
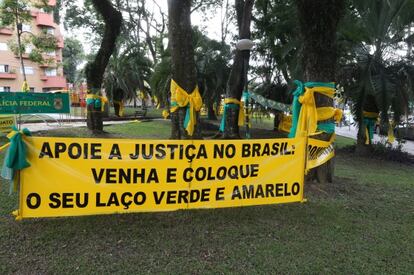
(24, 56)
(6, 31)
(45, 19)
(8, 76)
(54, 82)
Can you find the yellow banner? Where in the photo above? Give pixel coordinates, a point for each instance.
(319, 152)
(6, 123)
(72, 177)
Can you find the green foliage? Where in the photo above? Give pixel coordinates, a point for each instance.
(42, 4)
(73, 55)
(382, 150)
(371, 72)
(212, 62)
(10, 9)
(46, 42)
(127, 71)
(160, 79)
(82, 15)
(15, 48)
(278, 47)
(43, 44)
(36, 56)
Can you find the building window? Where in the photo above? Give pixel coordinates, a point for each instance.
(4, 68)
(4, 89)
(28, 49)
(3, 46)
(50, 31)
(51, 53)
(28, 70)
(32, 89)
(50, 72)
(26, 28)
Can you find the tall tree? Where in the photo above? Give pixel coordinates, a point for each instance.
(237, 78)
(95, 70)
(377, 79)
(318, 22)
(73, 55)
(212, 61)
(127, 72)
(182, 59)
(277, 50)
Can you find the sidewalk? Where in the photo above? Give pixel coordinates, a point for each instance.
(351, 132)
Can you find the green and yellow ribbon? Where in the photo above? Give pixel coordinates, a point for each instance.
(15, 159)
(230, 103)
(25, 87)
(370, 119)
(306, 115)
(180, 98)
(17, 150)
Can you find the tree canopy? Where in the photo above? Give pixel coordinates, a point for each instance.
(371, 49)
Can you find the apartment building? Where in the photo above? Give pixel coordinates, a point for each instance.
(40, 77)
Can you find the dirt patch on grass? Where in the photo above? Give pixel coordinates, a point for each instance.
(339, 188)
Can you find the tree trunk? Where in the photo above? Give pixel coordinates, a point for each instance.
(117, 97)
(182, 58)
(277, 120)
(318, 24)
(211, 114)
(95, 69)
(237, 78)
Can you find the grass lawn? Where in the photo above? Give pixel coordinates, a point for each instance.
(363, 223)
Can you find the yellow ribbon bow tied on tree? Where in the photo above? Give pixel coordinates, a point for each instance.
(180, 98)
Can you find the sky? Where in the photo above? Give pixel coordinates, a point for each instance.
(211, 27)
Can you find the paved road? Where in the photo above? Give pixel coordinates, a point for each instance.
(351, 132)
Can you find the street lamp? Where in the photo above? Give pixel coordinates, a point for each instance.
(245, 45)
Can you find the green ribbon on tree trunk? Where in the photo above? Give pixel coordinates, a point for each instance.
(223, 119)
(327, 127)
(370, 124)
